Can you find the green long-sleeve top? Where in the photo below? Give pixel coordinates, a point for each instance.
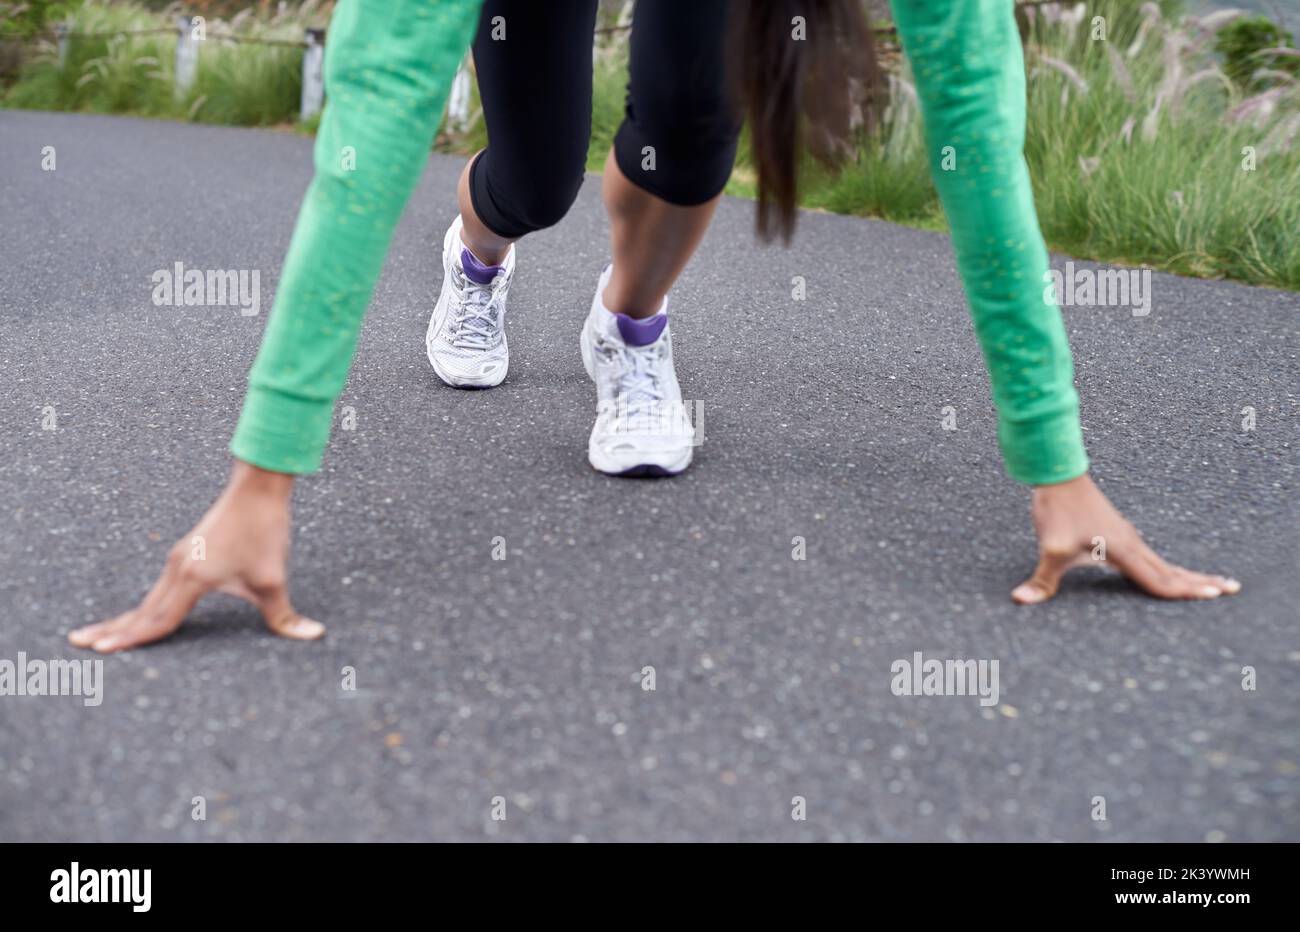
(969, 70)
(388, 69)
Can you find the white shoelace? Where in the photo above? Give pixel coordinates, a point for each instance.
(640, 404)
(474, 322)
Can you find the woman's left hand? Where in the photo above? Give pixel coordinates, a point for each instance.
(1078, 526)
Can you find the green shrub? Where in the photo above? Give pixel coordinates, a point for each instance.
(1242, 42)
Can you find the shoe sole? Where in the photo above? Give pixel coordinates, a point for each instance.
(645, 471)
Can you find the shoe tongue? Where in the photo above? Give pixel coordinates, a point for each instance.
(475, 270)
(640, 332)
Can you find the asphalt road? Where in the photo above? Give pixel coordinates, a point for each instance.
(522, 678)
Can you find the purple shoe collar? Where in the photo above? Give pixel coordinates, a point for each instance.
(476, 271)
(641, 332)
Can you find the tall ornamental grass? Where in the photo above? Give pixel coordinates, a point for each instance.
(110, 68)
(1154, 139)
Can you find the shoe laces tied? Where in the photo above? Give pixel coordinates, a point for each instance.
(474, 320)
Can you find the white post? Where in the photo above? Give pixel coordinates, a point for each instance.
(619, 34)
(187, 55)
(313, 84)
(458, 101)
(61, 31)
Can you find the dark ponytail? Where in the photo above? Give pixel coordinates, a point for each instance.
(803, 69)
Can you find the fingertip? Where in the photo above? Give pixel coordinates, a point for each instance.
(80, 638)
(1025, 594)
(107, 645)
(303, 629)
(1231, 586)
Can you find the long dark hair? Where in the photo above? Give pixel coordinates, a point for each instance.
(802, 70)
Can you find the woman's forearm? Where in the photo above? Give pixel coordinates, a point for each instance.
(388, 69)
(968, 65)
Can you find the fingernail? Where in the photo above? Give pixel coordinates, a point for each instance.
(307, 629)
(103, 645)
(1209, 592)
(1231, 586)
(1027, 594)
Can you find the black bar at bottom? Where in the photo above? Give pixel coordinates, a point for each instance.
(332, 881)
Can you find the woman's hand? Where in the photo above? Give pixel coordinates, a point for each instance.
(1078, 526)
(240, 547)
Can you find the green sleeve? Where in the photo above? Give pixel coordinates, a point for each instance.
(388, 68)
(970, 78)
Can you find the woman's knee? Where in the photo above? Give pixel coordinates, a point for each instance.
(681, 125)
(680, 148)
(519, 199)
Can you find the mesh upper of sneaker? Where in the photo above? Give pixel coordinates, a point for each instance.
(472, 335)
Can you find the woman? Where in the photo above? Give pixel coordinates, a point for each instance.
(663, 177)
(387, 73)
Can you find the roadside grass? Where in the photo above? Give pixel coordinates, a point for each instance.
(1144, 152)
(1137, 146)
(1142, 149)
(109, 70)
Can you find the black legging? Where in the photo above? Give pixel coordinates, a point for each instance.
(679, 131)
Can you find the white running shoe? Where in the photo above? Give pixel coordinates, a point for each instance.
(466, 339)
(641, 424)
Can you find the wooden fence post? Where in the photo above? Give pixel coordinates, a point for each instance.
(187, 55)
(313, 84)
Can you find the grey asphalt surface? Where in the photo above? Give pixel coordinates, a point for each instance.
(521, 678)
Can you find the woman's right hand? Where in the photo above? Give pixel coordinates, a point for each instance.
(240, 547)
